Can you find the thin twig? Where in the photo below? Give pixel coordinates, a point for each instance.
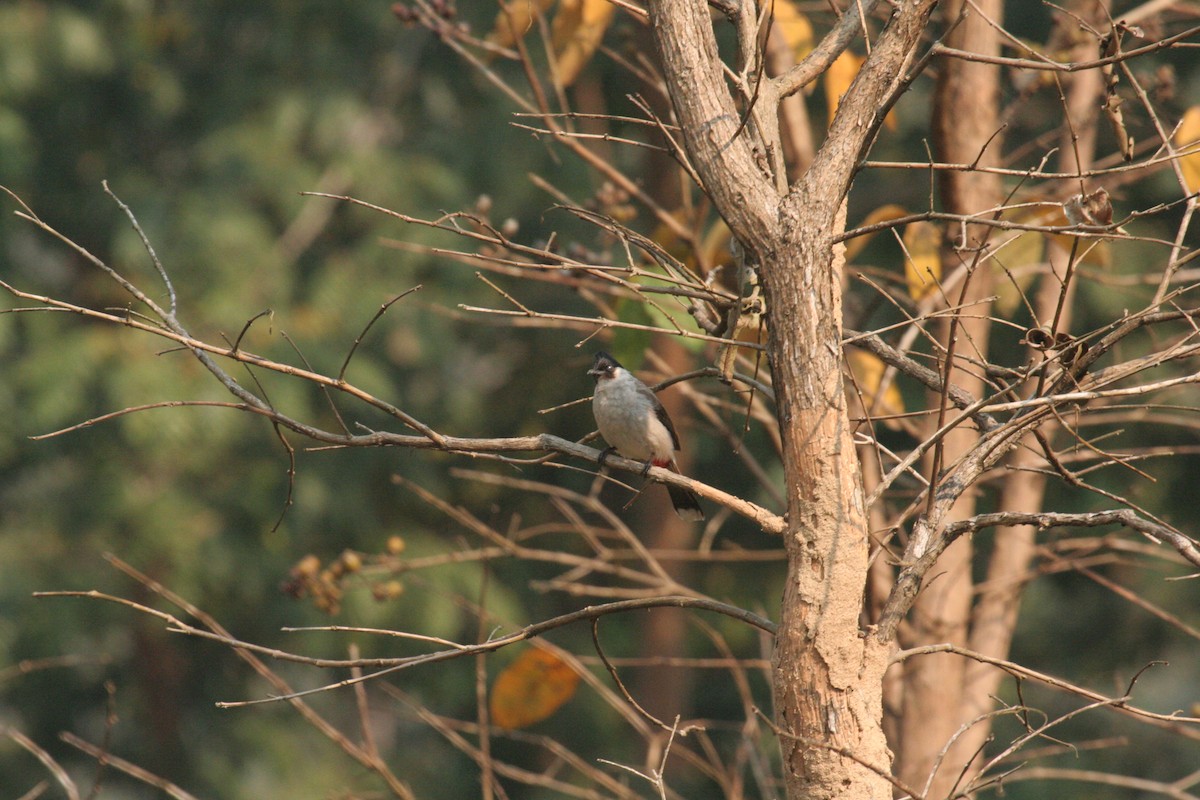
(48, 761)
(103, 756)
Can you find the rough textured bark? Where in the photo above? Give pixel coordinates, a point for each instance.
(828, 676)
(733, 174)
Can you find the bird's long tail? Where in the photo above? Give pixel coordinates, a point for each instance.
(686, 502)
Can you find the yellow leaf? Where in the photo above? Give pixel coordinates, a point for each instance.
(882, 214)
(716, 244)
(1187, 138)
(1023, 253)
(578, 27)
(713, 246)
(515, 19)
(666, 237)
(923, 264)
(838, 77)
(795, 28)
(1019, 254)
(868, 372)
(531, 688)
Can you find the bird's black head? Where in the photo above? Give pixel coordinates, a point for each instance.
(604, 366)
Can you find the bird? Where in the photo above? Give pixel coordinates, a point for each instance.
(635, 425)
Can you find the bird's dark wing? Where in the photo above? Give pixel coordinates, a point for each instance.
(661, 413)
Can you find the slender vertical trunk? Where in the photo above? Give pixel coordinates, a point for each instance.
(966, 126)
(995, 615)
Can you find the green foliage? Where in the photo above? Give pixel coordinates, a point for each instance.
(208, 121)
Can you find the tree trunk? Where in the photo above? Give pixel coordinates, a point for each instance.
(966, 131)
(995, 617)
(828, 677)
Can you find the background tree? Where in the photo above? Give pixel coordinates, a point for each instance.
(694, 213)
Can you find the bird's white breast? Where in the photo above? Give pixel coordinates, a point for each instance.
(627, 421)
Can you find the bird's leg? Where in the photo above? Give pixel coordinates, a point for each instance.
(646, 467)
(604, 454)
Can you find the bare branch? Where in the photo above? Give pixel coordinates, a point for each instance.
(129, 768)
(48, 761)
(1047, 65)
(825, 53)
(1177, 722)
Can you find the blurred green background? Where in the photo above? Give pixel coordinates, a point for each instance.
(208, 120)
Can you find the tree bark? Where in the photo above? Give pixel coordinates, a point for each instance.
(827, 676)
